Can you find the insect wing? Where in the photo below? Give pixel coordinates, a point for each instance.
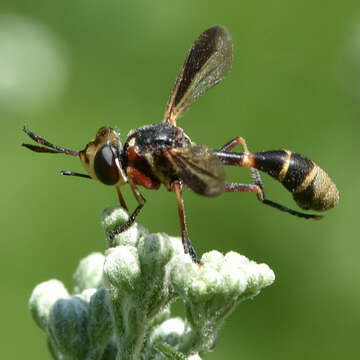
(199, 169)
(208, 61)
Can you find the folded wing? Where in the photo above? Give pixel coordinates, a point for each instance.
(199, 169)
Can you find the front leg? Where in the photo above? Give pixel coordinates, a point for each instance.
(141, 200)
(177, 187)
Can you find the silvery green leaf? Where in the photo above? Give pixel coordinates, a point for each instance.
(68, 327)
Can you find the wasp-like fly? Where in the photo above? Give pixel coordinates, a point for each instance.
(163, 154)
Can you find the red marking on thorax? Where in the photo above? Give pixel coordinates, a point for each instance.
(179, 133)
(132, 154)
(140, 179)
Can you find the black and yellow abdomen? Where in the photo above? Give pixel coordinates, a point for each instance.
(311, 186)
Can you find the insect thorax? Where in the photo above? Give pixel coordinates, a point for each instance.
(150, 142)
(155, 138)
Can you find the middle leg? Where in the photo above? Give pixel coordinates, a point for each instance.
(177, 187)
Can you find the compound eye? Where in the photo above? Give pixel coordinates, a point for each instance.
(105, 166)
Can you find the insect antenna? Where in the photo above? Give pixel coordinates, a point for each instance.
(44, 149)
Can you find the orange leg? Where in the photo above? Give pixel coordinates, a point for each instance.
(121, 199)
(258, 186)
(232, 143)
(176, 187)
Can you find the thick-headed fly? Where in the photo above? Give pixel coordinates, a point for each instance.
(163, 154)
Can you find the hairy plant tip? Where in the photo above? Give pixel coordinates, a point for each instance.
(112, 218)
(89, 274)
(121, 305)
(211, 291)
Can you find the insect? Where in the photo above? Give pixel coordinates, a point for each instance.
(163, 154)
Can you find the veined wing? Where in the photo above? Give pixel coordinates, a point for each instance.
(208, 60)
(199, 169)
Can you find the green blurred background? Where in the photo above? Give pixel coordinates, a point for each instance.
(69, 67)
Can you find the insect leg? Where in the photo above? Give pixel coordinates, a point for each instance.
(232, 143)
(141, 200)
(177, 187)
(258, 190)
(257, 186)
(255, 175)
(73, 173)
(121, 199)
(275, 205)
(242, 159)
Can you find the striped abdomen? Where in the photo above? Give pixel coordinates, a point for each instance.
(310, 185)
